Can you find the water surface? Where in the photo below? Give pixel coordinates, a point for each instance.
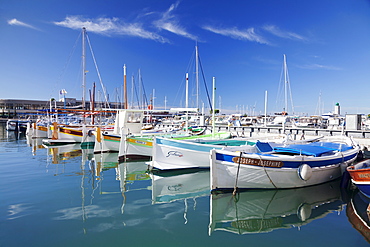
(66, 196)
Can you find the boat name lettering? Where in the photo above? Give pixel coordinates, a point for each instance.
(364, 175)
(174, 153)
(258, 162)
(140, 142)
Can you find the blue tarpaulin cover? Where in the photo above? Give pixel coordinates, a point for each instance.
(315, 149)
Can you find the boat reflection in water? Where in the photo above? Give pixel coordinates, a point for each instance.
(258, 211)
(129, 175)
(177, 185)
(130, 172)
(358, 213)
(35, 143)
(171, 186)
(104, 161)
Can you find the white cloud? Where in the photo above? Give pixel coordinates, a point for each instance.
(319, 66)
(109, 26)
(169, 23)
(15, 22)
(283, 34)
(248, 34)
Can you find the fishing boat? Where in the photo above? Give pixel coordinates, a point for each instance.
(38, 129)
(360, 176)
(127, 122)
(262, 211)
(264, 166)
(181, 153)
(16, 125)
(141, 147)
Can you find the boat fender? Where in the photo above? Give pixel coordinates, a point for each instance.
(304, 212)
(304, 172)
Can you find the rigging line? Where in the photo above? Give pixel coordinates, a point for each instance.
(97, 70)
(179, 90)
(279, 93)
(144, 93)
(205, 84)
(62, 73)
(290, 89)
(137, 96)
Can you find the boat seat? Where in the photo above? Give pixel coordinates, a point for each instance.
(264, 147)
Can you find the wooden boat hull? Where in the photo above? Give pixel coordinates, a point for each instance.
(272, 171)
(136, 148)
(360, 176)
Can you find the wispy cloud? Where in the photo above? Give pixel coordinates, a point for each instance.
(318, 66)
(247, 34)
(283, 34)
(169, 22)
(15, 22)
(110, 26)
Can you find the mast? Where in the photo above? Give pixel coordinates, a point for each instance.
(285, 85)
(141, 105)
(265, 120)
(124, 87)
(187, 100)
(197, 73)
(213, 106)
(83, 68)
(93, 104)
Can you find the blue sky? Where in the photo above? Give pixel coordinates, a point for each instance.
(241, 44)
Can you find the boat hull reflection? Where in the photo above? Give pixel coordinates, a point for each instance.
(258, 211)
(358, 213)
(177, 185)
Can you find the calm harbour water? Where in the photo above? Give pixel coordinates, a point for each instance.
(66, 196)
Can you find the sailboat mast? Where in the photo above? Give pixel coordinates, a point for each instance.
(187, 100)
(213, 106)
(124, 88)
(197, 74)
(83, 68)
(285, 85)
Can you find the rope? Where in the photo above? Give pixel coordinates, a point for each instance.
(237, 175)
(264, 168)
(97, 70)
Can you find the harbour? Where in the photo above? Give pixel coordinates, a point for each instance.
(69, 196)
(146, 150)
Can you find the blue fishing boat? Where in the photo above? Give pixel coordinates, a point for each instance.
(289, 166)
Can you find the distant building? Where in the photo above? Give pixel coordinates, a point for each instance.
(10, 108)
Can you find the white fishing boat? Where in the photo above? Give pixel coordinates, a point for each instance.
(16, 125)
(280, 121)
(192, 153)
(289, 166)
(127, 122)
(181, 153)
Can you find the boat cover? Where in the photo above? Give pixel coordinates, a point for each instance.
(315, 149)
